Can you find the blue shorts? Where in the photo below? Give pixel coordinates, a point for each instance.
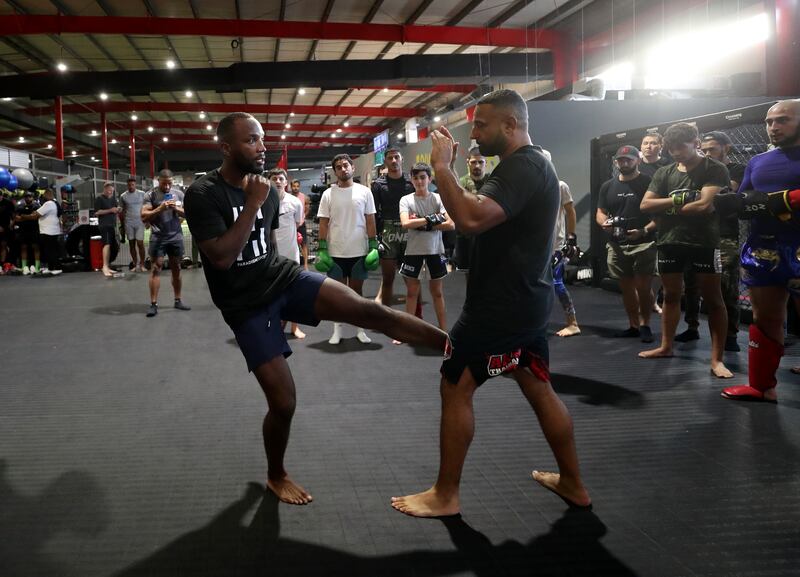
(534, 354)
(261, 337)
(767, 261)
(160, 248)
(348, 267)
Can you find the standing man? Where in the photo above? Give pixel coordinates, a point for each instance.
(471, 182)
(6, 231)
(131, 202)
(291, 215)
(348, 246)
(295, 190)
(106, 210)
(681, 197)
(233, 213)
(770, 268)
(651, 154)
(631, 249)
(163, 210)
(49, 225)
(387, 191)
(717, 145)
(502, 328)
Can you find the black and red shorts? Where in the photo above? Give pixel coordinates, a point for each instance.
(533, 355)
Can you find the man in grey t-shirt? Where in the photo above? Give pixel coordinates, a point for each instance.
(131, 203)
(422, 214)
(163, 210)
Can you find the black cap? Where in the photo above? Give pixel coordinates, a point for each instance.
(627, 151)
(717, 135)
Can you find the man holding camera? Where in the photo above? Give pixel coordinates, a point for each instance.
(631, 247)
(163, 210)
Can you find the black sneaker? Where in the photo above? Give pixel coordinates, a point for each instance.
(687, 335)
(646, 334)
(153, 310)
(628, 333)
(182, 307)
(731, 344)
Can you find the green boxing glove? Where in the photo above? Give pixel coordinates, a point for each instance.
(373, 257)
(324, 262)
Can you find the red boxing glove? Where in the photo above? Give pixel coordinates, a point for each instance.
(299, 238)
(793, 198)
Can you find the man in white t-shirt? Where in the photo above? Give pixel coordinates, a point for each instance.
(131, 202)
(348, 243)
(49, 231)
(423, 215)
(290, 218)
(564, 233)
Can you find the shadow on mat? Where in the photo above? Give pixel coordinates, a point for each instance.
(346, 345)
(121, 309)
(226, 547)
(72, 503)
(597, 392)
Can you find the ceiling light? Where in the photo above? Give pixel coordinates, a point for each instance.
(150, 129)
(338, 130)
(202, 115)
(74, 152)
(437, 118)
(386, 90)
(301, 91)
(22, 139)
(103, 96)
(283, 137)
(216, 138)
(93, 158)
(209, 127)
(165, 139)
(49, 147)
(6, 99)
(61, 67)
(291, 114)
(333, 135)
(113, 141)
(134, 117)
(346, 124)
(170, 64)
(189, 93)
(287, 125)
(400, 136)
(94, 133)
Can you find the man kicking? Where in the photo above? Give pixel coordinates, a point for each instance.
(233, 213)
(502, 328)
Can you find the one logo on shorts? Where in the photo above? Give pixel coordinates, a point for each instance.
(753, 344)
(499, 364)
(448, 350)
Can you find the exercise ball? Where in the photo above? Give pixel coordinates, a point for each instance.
(12, 182)
(4, 176)
(24, 178)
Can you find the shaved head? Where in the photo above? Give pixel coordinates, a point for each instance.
(783, 123)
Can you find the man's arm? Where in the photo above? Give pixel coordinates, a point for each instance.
(148, 212)
(223, 250)
(704, 204)
(653, 203)
(371, 228)
(322, 234)
(601, 216)
(571, 217)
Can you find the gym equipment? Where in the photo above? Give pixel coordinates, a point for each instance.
(4, 177)
(24, 178)
(12, 182)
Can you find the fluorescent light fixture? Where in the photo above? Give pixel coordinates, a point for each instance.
(134, 117)
(189, 93)
(338, 130)
(49, 147)
(94, 133)
(301, 91)
(150, 129)
(165, 139)
(216, 138)
(61, 67)
(170, 64)
(291, 114)
(209, 127)
(202, 115)
(346, 124)
(113, 141)
(287, 125)
(103, 96)
(22, 139)
(7, 99)
(283, 137)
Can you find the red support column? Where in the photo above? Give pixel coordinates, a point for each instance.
(132, 144)
(104, 137)
(565, 69)
(59, 129)
(152, 161)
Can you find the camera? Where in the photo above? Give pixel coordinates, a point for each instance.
(619, 228)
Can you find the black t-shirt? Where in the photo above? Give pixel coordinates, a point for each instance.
(387, 193)
(28, 227)
(102, 202)
(259, 274)
(6, 213)
(649, 168)
(729, 227)
(623, 199)
(689, 230)
(509, 292)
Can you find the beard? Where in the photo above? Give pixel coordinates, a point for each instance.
(791, 140)
(493, 147)
(628, 170)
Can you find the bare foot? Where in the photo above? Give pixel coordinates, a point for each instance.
(289, 492)
(396, 342)
(107, 272)
(298, 334)
(569, 331)
(658, 353)
(426, 504)
(573, 494)
(721, 371)
(656, 308)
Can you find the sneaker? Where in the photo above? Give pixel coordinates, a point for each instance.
(152, 311)
(56, 272)
(362, 337)
(336, 337)
(182, 307)
(629, 333)
(45, 271)
(687, 335)
(26, 270)
(731, 344)
(646, 334)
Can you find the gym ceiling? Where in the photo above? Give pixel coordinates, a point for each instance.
(323, 76)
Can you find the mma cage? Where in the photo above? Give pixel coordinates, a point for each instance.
(744, 126)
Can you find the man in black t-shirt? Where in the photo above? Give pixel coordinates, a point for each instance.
(652, 142)
(630, 247)
(502, 328)
(717, 145)
(106, 210)
(387, 191)
(233, 214)
(6, 226)
(681, 197)
(28, 234)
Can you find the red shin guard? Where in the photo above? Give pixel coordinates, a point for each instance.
(764, 356)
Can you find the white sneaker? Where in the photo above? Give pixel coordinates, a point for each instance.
(25, 270)
(45, 270)
(362, 337)
(55, 272)
(337, 334)
(33, 270)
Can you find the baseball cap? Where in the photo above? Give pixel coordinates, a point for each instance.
(627, 151)
(28, 193)
(717, 135)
